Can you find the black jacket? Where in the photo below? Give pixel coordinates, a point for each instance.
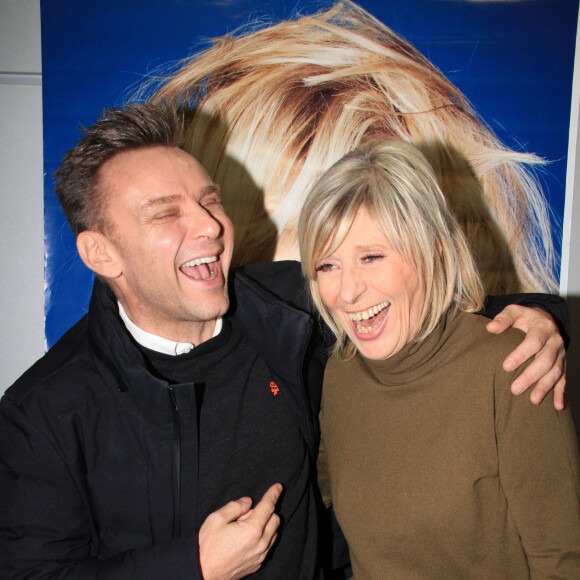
(89, 457)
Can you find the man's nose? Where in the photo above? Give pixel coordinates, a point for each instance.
(202, 223)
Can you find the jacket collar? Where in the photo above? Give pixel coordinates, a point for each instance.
(278, 331)
(121, 362)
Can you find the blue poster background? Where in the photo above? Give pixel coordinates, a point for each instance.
(513, 60)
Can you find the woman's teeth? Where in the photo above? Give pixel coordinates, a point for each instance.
(367, 314)
(361, 317)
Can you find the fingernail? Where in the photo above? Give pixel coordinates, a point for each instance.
(510, 365)
(516, 388)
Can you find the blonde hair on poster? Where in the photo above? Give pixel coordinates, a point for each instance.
(273, 108)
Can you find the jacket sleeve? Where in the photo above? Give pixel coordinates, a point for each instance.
(285, 280)
(46, 529)
(540, 477)
(554, 305)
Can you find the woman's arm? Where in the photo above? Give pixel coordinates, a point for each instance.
(539, 469)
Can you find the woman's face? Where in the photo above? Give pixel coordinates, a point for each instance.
(371, 290)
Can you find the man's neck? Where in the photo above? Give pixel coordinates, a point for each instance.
(160, 343)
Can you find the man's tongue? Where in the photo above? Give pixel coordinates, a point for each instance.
(201, 272)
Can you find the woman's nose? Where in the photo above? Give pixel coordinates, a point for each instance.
(352, 286)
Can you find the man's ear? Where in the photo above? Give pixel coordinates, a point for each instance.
(99, 254)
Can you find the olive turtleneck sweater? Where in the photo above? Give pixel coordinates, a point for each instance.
(436, 470)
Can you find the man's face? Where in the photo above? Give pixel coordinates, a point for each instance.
(173, 241)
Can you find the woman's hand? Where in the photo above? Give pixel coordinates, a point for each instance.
(544, 343)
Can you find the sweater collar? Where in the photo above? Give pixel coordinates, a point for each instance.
(416, 359)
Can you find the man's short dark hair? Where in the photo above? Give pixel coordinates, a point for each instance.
(118, 130)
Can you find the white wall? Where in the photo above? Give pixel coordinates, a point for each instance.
(570, 278)
(21, 194)
(21, 214)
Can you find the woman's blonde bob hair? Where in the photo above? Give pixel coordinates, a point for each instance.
(396, 184)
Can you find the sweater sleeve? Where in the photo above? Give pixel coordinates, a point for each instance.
(540, 476)
(46, 529)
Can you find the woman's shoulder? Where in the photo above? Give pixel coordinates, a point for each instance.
(470, 330)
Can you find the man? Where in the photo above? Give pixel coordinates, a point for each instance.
(121, 448)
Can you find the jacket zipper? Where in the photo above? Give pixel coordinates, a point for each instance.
(176, 465)
(303, 380)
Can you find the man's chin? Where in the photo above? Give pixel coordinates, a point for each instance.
(213, 311)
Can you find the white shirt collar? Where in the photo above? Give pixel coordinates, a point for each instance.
(159, 343)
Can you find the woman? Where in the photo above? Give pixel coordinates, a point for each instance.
(434, 469)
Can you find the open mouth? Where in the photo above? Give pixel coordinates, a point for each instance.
(371, 319)
(201, 268)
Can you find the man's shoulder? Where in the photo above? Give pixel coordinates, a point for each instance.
(59, 367)
(272, 274)
(283, 279)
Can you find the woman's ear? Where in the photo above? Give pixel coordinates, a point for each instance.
(99, 254)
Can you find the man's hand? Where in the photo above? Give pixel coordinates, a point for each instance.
(542, 340)
(234, 540)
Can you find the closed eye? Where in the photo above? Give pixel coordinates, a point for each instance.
(212, 204)
(211, 197)
(372, 258)
(162, 216)
(324, 267)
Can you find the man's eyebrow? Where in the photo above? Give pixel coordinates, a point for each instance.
(165, 199)
(161, 200)
(209, 189)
